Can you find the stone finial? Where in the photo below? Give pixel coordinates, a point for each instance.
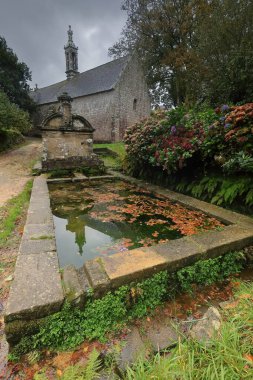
(70, 35)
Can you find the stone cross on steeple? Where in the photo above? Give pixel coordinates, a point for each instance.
(71, 54)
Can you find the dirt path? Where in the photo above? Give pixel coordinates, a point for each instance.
(15, 168)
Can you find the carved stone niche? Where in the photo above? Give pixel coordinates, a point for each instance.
(67, 139)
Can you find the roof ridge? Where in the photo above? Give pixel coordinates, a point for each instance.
(83, 72)
(103, 64)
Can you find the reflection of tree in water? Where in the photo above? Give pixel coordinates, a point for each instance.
(77, 225)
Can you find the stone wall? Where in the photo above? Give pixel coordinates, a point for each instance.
(61, 145)
(97, 109)
(110, 112)
(131, 98)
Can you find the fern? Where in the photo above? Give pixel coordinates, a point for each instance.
(249, 198)
(219, 190)
(89, 372)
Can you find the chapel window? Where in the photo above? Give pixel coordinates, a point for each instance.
(135, 104)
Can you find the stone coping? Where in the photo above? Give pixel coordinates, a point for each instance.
(37, 289)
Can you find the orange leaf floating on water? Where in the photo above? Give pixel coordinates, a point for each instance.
(155, 234)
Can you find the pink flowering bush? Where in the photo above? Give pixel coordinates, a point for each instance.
(167, 139)
(171, 140)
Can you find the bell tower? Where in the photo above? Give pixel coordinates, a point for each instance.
(71, 55)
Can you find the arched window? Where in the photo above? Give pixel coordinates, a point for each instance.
(135, 104)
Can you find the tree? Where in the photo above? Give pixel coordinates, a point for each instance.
(13, 122)
(14, 76)
(191, 49)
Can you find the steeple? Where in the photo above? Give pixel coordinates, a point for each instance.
(71, 54)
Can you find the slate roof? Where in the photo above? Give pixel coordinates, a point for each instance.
(100, 79)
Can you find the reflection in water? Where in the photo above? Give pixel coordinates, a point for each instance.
(104, 218)
(77, 226)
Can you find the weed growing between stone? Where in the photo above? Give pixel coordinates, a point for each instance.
(70, 327)
(10, 213)
(228, 355)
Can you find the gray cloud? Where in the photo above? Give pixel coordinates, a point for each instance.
(37, 30)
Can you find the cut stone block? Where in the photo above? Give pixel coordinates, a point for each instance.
(181, 252)
(37, 246)
(140, 263)
(128, 266)
(36, 231)
(97, 277)
(217, 243)
(40, 216)
(76, 292)
(133, 349)
(161, 335)
(36, 290)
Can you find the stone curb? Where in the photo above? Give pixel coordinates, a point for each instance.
(36, 291)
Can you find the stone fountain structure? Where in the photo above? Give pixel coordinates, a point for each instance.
(67, 139)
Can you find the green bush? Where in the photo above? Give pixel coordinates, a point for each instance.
(13, 122)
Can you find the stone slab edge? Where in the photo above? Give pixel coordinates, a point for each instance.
(36, 290)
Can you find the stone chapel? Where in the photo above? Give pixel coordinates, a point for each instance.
(110, 97)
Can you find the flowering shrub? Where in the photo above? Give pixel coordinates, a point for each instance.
(165, 139)
(169, 139)
(230, 138)
(239, 127)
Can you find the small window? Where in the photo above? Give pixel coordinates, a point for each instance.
(134, 104)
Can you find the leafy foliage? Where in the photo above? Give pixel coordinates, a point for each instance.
(240, 162)
(13, 122)
(14, 76)
(191, 50)
(219, 190)
(208, 271)
(69, 327)
(199, 147)
(167, 139)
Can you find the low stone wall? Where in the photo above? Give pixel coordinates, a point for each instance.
(36, 291)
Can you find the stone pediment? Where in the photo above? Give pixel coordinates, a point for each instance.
(66, 121)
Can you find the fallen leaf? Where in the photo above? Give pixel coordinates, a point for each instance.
(231, 305)
(248, 357)
(9, 278)
(59, 373)
(245, 296)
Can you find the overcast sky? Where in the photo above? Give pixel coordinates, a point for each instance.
(37, 30)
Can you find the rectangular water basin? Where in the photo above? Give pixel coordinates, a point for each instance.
(100, 218)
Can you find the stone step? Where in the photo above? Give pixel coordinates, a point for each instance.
(97, 277)
(76, 286)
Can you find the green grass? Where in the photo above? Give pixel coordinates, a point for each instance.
(10, 213)
(113, 162)
(228, 356)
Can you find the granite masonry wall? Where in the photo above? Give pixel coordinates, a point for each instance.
(110, 112)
